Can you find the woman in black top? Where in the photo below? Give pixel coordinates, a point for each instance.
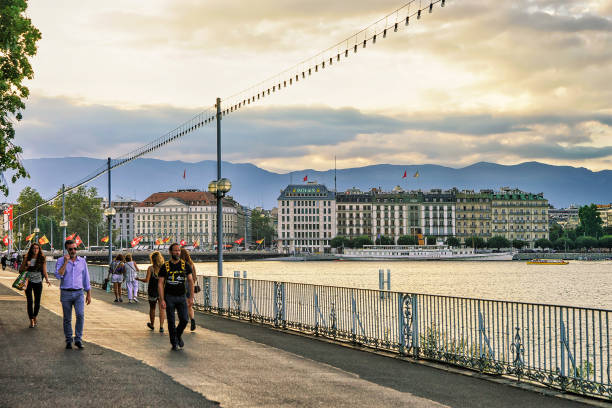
(157, 261)
(35, 263)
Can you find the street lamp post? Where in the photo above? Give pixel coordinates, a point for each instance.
(219, 188)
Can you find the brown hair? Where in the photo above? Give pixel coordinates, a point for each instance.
(185, 256)
(157, 259)
(119, 258)
(40, 258)
(128, 258)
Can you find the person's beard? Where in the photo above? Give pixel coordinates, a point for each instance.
(175, 257)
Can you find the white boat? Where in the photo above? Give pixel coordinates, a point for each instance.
(418, 252)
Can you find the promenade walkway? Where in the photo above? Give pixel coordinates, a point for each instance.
(225, 362)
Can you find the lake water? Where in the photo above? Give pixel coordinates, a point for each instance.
(581, 283)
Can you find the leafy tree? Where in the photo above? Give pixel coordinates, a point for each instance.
(81, 205)
(262, 226)
(543, 243)
(475, 242)
(563, 243)
(362, 240)
(453, 241)
(384, 240)
(570, 233)
(518, 244)
(498, 242)
(431, 240)
(555, 231)
(407, 240)
(586, 242)
(18, 39)
(605, 241)
(607, 230)
(590, 220)
(28, 199)
(339, 241)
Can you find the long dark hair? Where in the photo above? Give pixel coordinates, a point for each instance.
(40, 258)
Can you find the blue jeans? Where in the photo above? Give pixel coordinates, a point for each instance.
(178, 303)
(69, 299)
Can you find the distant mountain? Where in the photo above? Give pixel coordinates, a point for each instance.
(253, 186)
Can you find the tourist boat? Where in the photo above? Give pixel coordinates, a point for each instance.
(547, 262)
(417, 252)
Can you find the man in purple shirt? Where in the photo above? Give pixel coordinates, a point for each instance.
(72, 272)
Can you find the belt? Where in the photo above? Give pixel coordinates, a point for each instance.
(71, 290)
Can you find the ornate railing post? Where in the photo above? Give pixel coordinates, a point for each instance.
(406, 323)
(206, 292)
(332, 318)
(279, 305)
(518, 350)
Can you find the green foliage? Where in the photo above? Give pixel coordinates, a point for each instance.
(431, 240)
(262, 226)
(586, 242)
(555, 231)
(384, 240)
(339, 241)
(543, 243)
(518, 244)
(475, 242)
(605, 241)
(563, 243)
(408, 240)
(607, 230)
(18, 39)
(453, 241)
(590, 220)
(498, 242)
(570, 233)
(362, 240)
(82, 206)
(28, 199)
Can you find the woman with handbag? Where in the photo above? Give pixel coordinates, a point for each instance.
(187, 258)
(36, 267)
(117, 270)
(157, 262)
(131, 283)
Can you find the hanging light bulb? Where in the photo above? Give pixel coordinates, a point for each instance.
(419, 15)
(346, 53)
(338, 59)
(395, 28)
(331, 60)
(273, 88)
(355, 48)
(430, 7)
(407, 20)
(284, 84)
(309, 71)
(364, 43)
(290, 81)
(374, 39)
(303, 74)
(385, 33)
(317, 68)
(323, 65)
(442, 4)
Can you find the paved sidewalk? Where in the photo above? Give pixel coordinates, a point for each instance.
(234, 363)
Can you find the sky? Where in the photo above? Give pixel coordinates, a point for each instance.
(503, 82)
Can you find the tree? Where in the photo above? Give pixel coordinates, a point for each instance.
(498, 242)
(384, 240)
(563, 244)
(518, 244)
(262, 227)
(586, 242)
(28, 199)
(407, 240)
(339, 241)
(555, 231)
(570, 233)
(81, 205)
(18, 39)
(605, 241)
(475, 242)
(543, 243)
(453, 241)
(362, 240)
(590, 220)
(431, 240)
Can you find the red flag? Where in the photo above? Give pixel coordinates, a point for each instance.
(196, 243)
(183, 242)
(6, 241)
(9, 212)
(77, 240)
(239, 241)
(104, 239)
(136, 241)
(305, 178)
(71, 236)
(405, 175)
(184, 173)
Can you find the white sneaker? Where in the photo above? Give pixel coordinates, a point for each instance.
(135, 300)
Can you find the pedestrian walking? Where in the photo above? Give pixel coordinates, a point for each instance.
(187, 258)
(172, 279)
(157, 262)
(3, 261)
(131, 284)
(116, 271)
(36, 266)
(72, 272)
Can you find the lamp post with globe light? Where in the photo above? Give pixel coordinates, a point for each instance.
(219, 188)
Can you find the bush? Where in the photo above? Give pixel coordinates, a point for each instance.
(563, 243)
(475, 242)
(362, 240)
(518, 244)
(498, 242)
(586, 242)
(339, 241)
(543, 243)
(431, 240)
(453, 241)
(605, 241)
(408, 240)
(384, 240)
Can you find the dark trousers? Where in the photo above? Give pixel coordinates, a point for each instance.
(33, 304)
(178, 303)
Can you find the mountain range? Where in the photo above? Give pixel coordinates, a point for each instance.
(254, 186)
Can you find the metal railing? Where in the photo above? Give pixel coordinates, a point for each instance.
(558, 346)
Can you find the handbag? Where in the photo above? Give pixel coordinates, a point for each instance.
(197, 289)
(19, 283)
(105, 284)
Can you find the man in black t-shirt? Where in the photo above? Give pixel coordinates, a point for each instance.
(171, 287)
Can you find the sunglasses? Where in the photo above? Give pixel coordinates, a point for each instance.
(72, 249)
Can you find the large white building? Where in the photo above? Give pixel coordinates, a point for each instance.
(306, 218)
(188, 215)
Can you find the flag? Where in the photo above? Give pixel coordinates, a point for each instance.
(104, 239)
(404, 176)
(183, 242)
(9, 212)
(29, 237)
(136, 241)
(70, 236)
(239, 241)
(6, 241)
(416, 174)
(77, 240)
(43, 240)
(184, 173)
(196, 243)
(305, 178)
(259, 241)
(165, 240)
(159, 241)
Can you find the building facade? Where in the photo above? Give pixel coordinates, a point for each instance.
(189, 215)
(354, 213)
(438, 214)
(306, 218)
(519, 215)
(123, 224)
(473, 214)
